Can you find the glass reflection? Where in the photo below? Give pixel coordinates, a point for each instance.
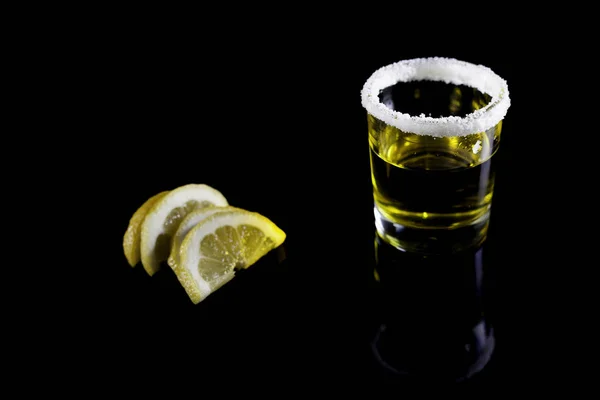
(432, 311)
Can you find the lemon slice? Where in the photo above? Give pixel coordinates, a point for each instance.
(221, 243)
(163, 218)
(186, 225)
(131, 239)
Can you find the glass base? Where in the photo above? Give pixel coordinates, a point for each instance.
(431, 241)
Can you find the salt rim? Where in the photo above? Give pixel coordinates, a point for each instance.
(448, 70)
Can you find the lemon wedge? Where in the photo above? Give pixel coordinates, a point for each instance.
(186, 225)
(163, 219)
(131, 239)
(221, 243)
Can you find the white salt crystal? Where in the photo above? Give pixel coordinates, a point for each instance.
(450, 71)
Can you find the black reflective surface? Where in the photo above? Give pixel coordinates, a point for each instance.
(298, 154)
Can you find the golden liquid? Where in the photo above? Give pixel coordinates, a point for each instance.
(423, 183)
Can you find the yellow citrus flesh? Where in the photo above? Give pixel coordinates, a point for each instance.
(163, 219)
(186, 225)
(221, 243)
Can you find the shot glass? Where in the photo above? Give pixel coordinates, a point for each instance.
(434, 125)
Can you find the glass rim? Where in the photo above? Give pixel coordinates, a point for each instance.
(450, 71)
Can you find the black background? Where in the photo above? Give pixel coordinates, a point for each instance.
(272, 118)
